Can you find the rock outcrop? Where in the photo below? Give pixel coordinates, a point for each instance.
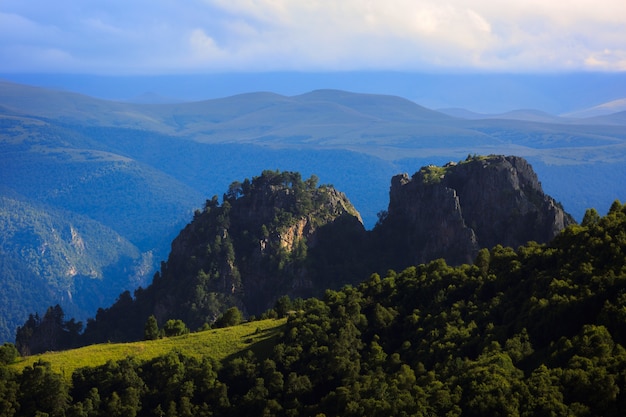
(452, 211)
(263, 242)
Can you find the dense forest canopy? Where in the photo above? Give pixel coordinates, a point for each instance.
(537, 330)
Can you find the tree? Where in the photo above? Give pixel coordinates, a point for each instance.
(231, 317)
(283, 306)
(235, 190)
(8, 353)
(151, 329)
(591, 218)
(42, 391)
(174, 328)
(8, 392)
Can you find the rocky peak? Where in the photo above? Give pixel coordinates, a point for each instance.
(451, 211)
(256, 246)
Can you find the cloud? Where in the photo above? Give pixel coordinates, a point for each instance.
(165, 36)
(607, 59)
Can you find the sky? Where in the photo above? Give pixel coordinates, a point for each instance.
(158, 37)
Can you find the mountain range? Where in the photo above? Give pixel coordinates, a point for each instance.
(84, 169)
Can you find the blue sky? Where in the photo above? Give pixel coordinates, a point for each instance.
(139, 37)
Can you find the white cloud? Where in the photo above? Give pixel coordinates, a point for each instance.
(249, 35)
(607, 59)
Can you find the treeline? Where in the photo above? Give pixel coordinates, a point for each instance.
(537, 331)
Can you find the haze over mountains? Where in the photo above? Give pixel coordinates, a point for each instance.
(485, 93)
(140, 170)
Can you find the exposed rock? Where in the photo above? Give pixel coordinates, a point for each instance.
(257, 246)
(452, 211)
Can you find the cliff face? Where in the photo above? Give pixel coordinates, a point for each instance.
(452, 211)
(263, 242)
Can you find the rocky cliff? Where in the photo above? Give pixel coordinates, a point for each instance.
(452, 211)
(264, 241)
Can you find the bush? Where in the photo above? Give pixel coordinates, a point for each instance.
(174, 328)
(231, 317)
(8, 353)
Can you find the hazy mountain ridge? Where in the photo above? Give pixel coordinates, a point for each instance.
(604, 109)
(606, 114)
(323, 118)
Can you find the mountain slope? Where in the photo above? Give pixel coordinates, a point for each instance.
(534, 331)
(51, 257)
(57, 185)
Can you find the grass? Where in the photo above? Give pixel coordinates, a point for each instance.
(218, 344)
(433, 174)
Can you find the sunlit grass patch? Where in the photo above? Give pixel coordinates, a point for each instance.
(215, 343)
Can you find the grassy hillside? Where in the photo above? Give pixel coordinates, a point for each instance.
(217, 344)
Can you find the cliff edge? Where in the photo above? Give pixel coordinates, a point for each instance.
(454, 210)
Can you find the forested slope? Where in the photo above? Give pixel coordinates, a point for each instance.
(537, 330)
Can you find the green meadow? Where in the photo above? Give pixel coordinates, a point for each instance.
(218, 344)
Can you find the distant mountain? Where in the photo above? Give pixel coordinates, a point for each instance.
(596, 116)
(152, 98)
(528, 115)
(463, 113)
(618, 119)
(78, 222)
(379, 106)
(603, 109)
(386, 127)
(49, 256)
